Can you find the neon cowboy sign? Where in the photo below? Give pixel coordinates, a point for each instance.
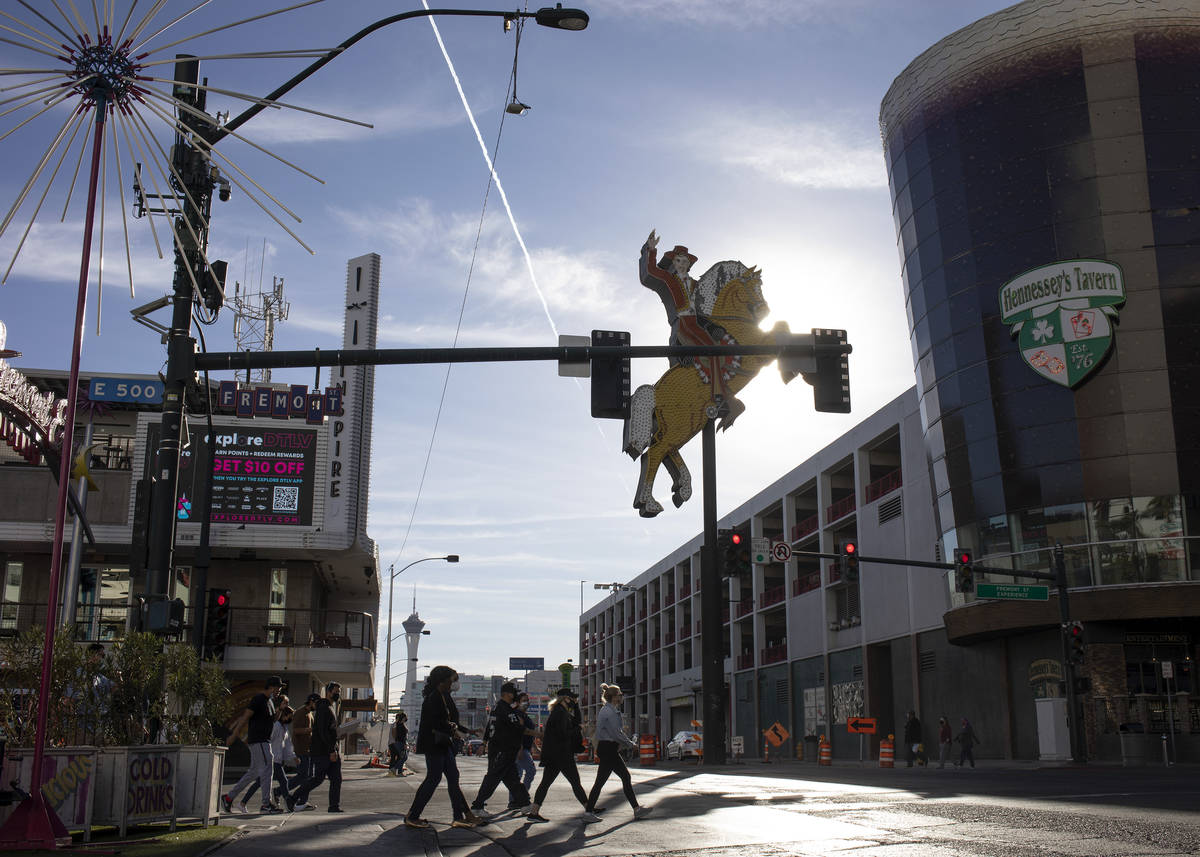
(280, 404)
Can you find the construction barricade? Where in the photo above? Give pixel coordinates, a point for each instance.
(646, 751)
(825, 752)
(887, 752)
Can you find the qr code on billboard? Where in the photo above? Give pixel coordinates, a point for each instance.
(286, 499)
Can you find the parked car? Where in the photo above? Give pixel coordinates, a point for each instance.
(685, 744)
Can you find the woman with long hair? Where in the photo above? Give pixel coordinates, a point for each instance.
(609, 739)
(562, 739)
(435, 740)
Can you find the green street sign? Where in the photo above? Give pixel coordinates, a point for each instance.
(1012, 591)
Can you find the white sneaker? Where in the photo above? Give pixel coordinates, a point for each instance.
(302, 807)
(642, 812)
(484, 814)
(590, 817)
(243, 809)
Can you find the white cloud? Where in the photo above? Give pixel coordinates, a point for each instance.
(716, 13)
(822, 155)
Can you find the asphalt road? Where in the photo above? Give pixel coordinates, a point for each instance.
(996, 810)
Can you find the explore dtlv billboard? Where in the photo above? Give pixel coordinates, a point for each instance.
(261, 475)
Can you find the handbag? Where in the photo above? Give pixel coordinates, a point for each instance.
(441, 740)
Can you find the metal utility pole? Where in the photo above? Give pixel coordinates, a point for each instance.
(712, 652)
(1074, 718)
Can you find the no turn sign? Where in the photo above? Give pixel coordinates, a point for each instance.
(781, 551)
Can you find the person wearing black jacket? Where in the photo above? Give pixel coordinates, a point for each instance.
(563, 738)
(508, 729)
(435, 740)
(327, 762)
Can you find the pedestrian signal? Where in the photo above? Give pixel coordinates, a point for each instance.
(1076, 647)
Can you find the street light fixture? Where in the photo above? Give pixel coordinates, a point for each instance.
(392, 575)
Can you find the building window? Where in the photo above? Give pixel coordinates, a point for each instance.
(276, 616)
(11, 596)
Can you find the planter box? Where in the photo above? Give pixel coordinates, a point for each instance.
(198, 784)
(70, 788)
(136, 785)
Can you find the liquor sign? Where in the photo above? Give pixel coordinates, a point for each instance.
(1061, 315)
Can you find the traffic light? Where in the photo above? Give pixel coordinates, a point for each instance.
(610, 378)
(1076, 648)
(216, 624)
(724, 553)
(964, 572)
(849, 562)
(738, 562)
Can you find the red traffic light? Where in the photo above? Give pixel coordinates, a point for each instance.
(1076, 630)
(221, 599)
(849, 547)
(736, 538)
(964, 557)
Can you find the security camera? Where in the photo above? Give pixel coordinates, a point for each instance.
(223, 190)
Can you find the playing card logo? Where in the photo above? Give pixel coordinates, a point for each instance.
(1062, 316)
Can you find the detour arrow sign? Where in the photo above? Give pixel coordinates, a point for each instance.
(862, 725)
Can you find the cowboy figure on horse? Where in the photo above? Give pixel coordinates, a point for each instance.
(679, 292)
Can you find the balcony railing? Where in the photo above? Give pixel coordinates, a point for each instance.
(773, 595)
(745, 661)
(685, 631)
(774, 654)
(685, 590)
(332, 629)
(654, 607)
(835, 573)
(807, 526)
(669, 598)
(654, 683)
(886, 484)
(807, 583)
(840, 509)
(654, 644)
(669, 637)
(746, 605)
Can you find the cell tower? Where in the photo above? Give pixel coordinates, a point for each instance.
(254, 321)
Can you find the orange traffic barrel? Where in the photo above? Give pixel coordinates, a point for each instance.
(825, 753)
(583, 755)
(887, 752)
(646, 751)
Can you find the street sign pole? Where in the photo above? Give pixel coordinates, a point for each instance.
(712, 672)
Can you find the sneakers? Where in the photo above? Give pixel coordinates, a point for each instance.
(590, 817)
(642, 812)
(462, 822)
(415, 823)
(227, 802)
(268, 809)
(291, 802)
(523, 809)
(335, 809)
(474, 819)
(303, 807)
(482, 814)
(537, 817)
(242, 808)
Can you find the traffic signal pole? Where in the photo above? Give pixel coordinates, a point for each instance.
(1074, 714)
(712, 652)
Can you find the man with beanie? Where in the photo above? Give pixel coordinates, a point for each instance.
(508, 728)
(302, 730)
(259, 719)
(327, 762)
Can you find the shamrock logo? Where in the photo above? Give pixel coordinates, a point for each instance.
(1042, 331)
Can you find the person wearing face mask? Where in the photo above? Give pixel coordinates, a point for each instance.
(609, 739)
(508, 729)
(562, 740)
(258, 719)
(281, 749)
(435, 740)
(526, 768)
(327, 762)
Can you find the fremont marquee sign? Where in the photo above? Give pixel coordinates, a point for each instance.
(1062, 315)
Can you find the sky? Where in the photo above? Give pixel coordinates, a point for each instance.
(743, 130)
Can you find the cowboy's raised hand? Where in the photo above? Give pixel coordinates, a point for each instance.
(652, 241)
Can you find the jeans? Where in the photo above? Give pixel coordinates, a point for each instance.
(325, 767)
(609, 761)
(262, 766)
(526, 768)
(570, 773)
(399, 756)
(944, 754)
(436, 765)
(304, 772)
(502, 767)
(968, 752)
